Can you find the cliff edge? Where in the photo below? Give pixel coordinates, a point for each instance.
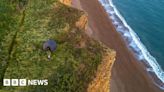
(79, 63)
(101, 82)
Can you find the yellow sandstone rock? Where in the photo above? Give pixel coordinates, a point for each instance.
(101, 82)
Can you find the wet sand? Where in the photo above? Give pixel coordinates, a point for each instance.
(128, 74)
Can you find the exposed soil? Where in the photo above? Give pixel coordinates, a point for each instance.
(128, 74)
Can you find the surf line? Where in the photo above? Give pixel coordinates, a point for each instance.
(133, 40)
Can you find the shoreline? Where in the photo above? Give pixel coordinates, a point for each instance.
(128, 74)
(133, 43)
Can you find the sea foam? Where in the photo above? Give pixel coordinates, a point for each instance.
(133, 41)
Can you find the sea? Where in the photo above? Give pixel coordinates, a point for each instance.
(141, 24)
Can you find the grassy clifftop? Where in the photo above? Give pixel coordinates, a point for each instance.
(25, 26)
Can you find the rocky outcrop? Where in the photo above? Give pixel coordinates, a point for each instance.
(82, 23)
(101, 82)
(66, 2)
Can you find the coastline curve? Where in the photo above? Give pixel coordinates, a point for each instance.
(134, 42)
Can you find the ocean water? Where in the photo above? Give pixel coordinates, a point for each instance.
(141, 24)
(146, 18)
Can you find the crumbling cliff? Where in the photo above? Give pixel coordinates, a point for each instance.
(66, 2)
(101, 81)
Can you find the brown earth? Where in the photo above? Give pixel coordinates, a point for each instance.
(82, 22)
(128, 75)
(103, 76)
(101, 81)
(66, 2)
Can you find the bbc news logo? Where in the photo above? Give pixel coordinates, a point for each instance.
(24, 82)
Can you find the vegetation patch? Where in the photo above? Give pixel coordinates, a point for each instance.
(24, 29)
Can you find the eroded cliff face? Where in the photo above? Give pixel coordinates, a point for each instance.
(101, 81)
(83, 20)
(66, 2)
(82, 23)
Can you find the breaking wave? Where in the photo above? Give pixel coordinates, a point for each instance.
(134, 41)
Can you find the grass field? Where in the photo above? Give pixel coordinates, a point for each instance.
(23, 29)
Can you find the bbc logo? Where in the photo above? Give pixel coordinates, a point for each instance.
(14, 82)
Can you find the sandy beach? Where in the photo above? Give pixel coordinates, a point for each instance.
(128, 74)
